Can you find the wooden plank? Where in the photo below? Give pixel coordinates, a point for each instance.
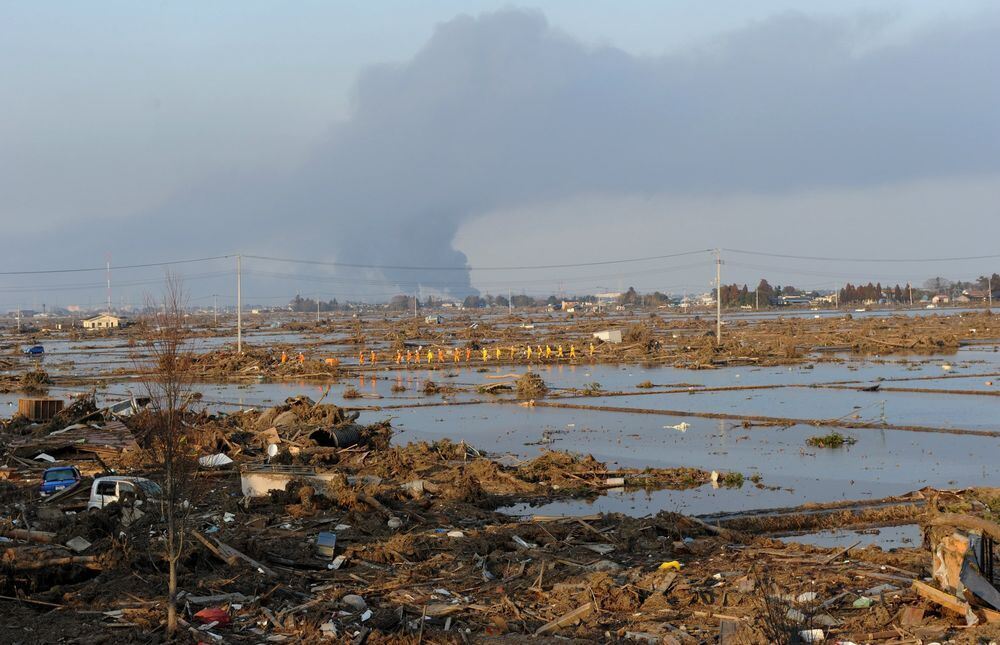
(958, 520)
(569, 618)
(946, 600)
(727, 632)
(911, 616)
(28, 536)
(841, 553)
(228, 559)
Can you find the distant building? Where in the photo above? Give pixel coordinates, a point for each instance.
(940, 299)
(103, 321)
(609, 335)
(790, 300)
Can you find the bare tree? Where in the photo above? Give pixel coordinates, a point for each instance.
(168, 386)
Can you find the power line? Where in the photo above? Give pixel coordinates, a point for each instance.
(472, 268)
(834, 259)
(499, 283)
(125, 266)
(97, 285)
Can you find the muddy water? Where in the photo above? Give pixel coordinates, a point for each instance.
(883, 462)
(887, 537)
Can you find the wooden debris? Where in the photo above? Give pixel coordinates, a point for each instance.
(580, 613)
(949, 602)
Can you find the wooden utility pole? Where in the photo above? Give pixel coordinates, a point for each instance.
(718, 296)
(239, 304)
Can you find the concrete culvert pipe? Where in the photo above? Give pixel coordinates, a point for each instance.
(343, 437)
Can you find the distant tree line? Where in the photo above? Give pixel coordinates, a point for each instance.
(300, 304)
(733, 295)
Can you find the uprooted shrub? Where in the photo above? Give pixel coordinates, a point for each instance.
(832, 440)
(35, 381)
(531, 386)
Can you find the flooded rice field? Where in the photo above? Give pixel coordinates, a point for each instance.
(656, 425)
(822, 450)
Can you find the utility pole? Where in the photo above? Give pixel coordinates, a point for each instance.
(317, 309)
(909, 289)
(109, 283)
(756, 298)
(239, 304)
(989, 291)
(19, 319)
(510, 304)
(718, 296)
(215, 309)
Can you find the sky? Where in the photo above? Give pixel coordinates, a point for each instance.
(415, 136)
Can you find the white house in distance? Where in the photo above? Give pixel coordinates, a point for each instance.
(103, 321)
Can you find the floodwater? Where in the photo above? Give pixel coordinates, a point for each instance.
(883, 462)
(886, 537)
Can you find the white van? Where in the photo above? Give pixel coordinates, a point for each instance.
(111, 489)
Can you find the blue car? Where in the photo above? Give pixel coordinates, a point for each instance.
(59, 478)
(35, 350)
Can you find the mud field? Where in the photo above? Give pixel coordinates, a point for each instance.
(490, 478)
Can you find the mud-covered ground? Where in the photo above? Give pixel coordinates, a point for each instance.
(424, 550)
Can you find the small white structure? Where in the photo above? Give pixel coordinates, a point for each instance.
(258, 481)
(609, 335)
(103, 321)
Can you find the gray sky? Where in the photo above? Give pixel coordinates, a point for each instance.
(428, 134)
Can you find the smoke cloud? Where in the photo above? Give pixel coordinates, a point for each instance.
(503, 110)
